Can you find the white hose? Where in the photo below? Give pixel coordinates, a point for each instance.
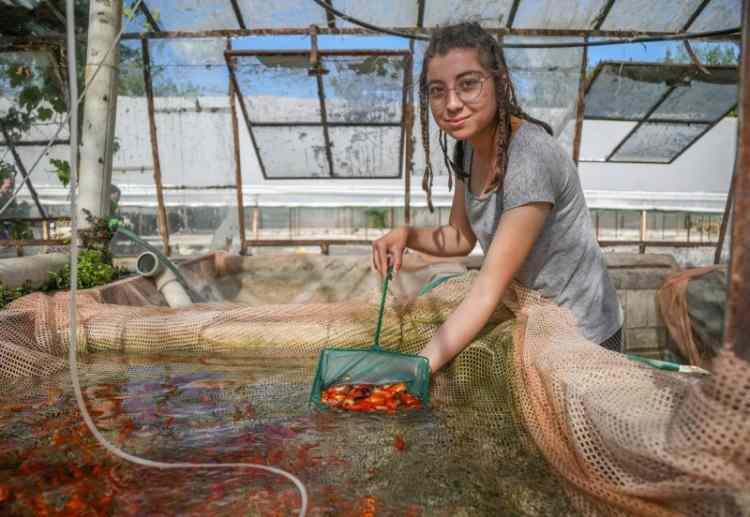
(72, 352)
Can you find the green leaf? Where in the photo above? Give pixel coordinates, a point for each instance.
(62, 169)
(30, 98)
(44, 114)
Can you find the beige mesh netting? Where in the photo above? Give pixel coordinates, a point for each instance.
(623, 438)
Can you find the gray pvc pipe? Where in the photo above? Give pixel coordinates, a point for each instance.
(14, 272)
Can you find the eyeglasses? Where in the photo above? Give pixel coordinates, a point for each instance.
(468, 89)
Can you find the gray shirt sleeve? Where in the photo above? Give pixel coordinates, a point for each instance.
(529, 180)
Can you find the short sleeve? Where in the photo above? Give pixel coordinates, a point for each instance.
(530, 176)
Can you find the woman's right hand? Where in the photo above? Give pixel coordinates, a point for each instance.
(389, 249)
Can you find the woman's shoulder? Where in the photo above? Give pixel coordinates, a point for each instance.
(532, 143)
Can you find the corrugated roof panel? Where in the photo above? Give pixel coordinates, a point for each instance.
(617, 92)
(266, 14)
(557, 14)
(701, 101)
(193, 15)
(489, 13)
(658, 142)
(383, 13)
(718, 15)
(292, 152)
(278, 88)
(364, 89)
(366, 152)
(646, 15)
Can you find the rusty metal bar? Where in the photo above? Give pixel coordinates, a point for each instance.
(149, 17)
(512, 14)
(318, 72)
(580, 104)
(32, 143)
(162, 213)
(330, 17)
(656, 105)
(305, 52)
(657, 244)
(302, 31)
(11, 243)
(408, 136)
(245, 115)
(33, 220)
(420, 15)
(737, 322)
(603, 15)
(725, 216)
(238, 14)
(330, 124)
(695, 15)
(237, 159)
(22, 170)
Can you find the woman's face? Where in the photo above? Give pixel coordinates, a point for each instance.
(461, 93)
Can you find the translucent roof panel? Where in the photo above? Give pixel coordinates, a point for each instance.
(623, 91)
(701, 101)
(658, 142)
(384, 13)
(188, 68)
(600, 137)
(278, 88)
(193, 15)
(718, 15)
(489, 13)
(642, 15)
(364, 89)
(192, 141)
(557, 14)
(262, 14)
(546, 81)
(366, 152)
(292, 152)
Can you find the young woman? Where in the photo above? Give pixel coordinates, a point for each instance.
(518, 193)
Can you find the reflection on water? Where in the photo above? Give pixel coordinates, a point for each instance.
(235, 409)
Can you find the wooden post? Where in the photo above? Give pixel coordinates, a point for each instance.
(162, 210)
(237, 161)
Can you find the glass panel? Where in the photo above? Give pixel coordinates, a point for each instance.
(622, 91)
(366, 152)
(188, 68)
(292, 152)
(718, 15)
(701, 101)
(278, 88)
(640, 15)
(546, 82)
(600, 137)
(489, 13)
(193, 15)
(384, 13)
(558, 14)
(132, 163)
(259, 14)
(364, 89)
(657, 142)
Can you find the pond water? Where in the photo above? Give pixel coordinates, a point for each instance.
(209, 408)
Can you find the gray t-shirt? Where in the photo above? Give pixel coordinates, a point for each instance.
(565, 263)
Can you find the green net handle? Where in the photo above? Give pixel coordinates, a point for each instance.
(376, 340)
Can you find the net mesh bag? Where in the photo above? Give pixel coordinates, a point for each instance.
(529, 393)
(692, 304)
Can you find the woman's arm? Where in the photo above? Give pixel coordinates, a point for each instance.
(452, 240)
(516, 233)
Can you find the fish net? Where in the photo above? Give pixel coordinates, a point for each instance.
(615, 436)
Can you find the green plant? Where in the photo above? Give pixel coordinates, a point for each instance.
(94, 269)
(376, 217)
(8, 294)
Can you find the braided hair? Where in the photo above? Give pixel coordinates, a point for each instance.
(470, 36)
